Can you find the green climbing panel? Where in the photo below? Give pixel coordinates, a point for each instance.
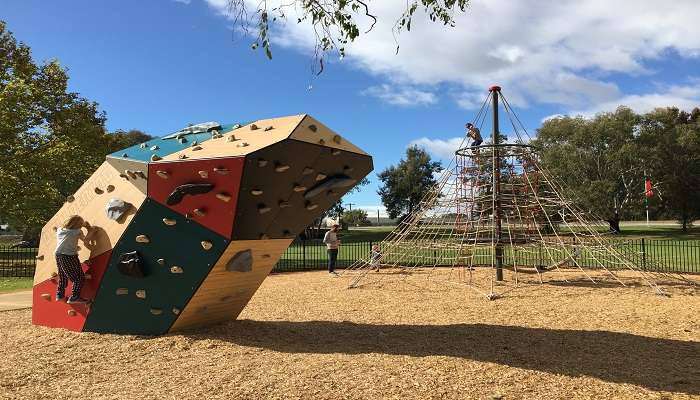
(174, 262)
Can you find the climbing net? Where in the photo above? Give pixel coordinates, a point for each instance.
(495, 208)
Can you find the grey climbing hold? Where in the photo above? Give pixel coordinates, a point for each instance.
(122, 291)
(142, 239)
(313, 128)
(223, 197)
(262, 209)
(206, 245)
(281, 168)
(334, 182)
(321, 177)
(256, 192)
(162, 174)
(161, 261)
(307, 171)
(204, 174)
(141, 294)
(155, 157)
(241, 262)
(262, 162)
(169, 221)
(283, 204)
(176, 270)
(116, 208)
(299, 188)
(156, 311)
(310, 206)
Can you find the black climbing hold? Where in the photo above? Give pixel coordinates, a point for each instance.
(130, 264)
(241, 262)
(334, 182)
(190, 189)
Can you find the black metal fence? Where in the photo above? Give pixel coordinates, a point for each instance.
(648, 254)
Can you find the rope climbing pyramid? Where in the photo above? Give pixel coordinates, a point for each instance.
(497, 220)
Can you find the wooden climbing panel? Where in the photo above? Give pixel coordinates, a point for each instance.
(312, 131)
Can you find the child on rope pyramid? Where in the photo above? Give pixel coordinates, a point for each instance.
(473, 132)
(67, 237)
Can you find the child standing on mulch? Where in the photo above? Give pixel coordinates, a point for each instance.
(375, 256)
(67, 258)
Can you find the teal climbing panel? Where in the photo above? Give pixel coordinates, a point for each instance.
(174, 262)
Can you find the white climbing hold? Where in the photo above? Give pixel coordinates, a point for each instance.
(223, 197)
(176, 311)
(161, 261)
(236, 126)
(311, 206)
(283, 204)
(204, 174)
(299, 188)
(206, 245)
(122, 291)
(281, 168)
(162, 174)
(46, 296)
(154, 148)
(142, 239)
(72, 313)
(156, 311)
(221, 170)
(320, 177)
(256, 192)
(199, 212)
(335, 152)
(242, 144)
(143, 145)
(262, 209)
(141, 294)
(262, 162)
(155, 157)
(169, 221)
(110, 188)
(40, 257)
(176, 270)
(98, 190)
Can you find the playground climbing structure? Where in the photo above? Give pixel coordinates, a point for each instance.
(187, 226)
(496, 220)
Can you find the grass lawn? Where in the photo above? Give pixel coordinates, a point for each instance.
(15, 284)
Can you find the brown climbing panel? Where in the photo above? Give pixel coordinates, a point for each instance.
(312, 131)
(225, 292)
(246, 141)
(132, 171)
(90, 204)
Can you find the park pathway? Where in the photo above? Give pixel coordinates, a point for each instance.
(16, 300)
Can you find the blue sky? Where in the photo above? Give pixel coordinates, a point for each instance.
(157, 65)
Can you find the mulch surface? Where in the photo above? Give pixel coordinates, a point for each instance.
(305, 336)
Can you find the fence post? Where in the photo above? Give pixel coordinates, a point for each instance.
(644, 255)
(303, 254)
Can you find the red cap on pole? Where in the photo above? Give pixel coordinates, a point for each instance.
(495, 88)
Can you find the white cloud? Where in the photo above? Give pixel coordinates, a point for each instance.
(401, 95)
(440, 148)
(183, 1)
(560, 52)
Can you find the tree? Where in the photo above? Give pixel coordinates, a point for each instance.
(670, 147)
(334, 22)
(356, 217)
(404, 185)
(597, 159)
(119, 139)
(52, 139)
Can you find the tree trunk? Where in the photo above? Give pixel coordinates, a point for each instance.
(614, 224)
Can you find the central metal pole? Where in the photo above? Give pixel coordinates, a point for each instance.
(498, 250)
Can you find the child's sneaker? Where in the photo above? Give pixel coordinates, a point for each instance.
(60, 297)
(77, 300)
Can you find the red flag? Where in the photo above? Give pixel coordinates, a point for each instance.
(648, 188)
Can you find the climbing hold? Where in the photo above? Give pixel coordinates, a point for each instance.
(124, 176)
(223, 196)
(156, 311)
(116, 208)
(338, 181)
(182, 140)
(191, 189)
(176, 311)
(176, 270)
(242, 261)
(204, 174)
(155, 157)
(335, 152)
(283, 204)
(253, 127)
(72, 313)
(161, 261)
(110, 188)
(216, 135)
(231, 138)
(143, 145)
(46, 296)
(221, 170)
(162, 174)
(269, 128)
(40, 257)
(307, 171)
(321, 141)
(195, 148)
(236, 126)
(256, 192)
(310, 206)
(262, 162)
(99, 191)
(125, 155)
(55, 228)
(206, 245)
(142, 239)
(70, 198)
(169, 221)
(141, 294)
(194, 143)
(122, 291)
(262, 208)
(321, 177)
(299, 188)
(154, 148)
(242, 144)
(280, 167)
(200, 212)
(285, 232)
(348, 169)
(313, 128)
(131, 174)
(337, 139)
(182, 156)
(267, 255)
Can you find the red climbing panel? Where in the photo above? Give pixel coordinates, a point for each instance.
(47, 311)
(205, 191)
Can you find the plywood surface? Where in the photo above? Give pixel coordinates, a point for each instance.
(224, 294)
(133, 171)
(312, 131)
(254, 139)
(91, 206)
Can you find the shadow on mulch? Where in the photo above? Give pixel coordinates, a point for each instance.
(657, 364)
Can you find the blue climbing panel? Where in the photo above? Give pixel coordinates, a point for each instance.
(149, 305)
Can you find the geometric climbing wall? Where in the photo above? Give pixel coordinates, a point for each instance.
(211, 210)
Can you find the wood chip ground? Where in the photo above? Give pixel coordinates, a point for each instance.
(305, 336)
